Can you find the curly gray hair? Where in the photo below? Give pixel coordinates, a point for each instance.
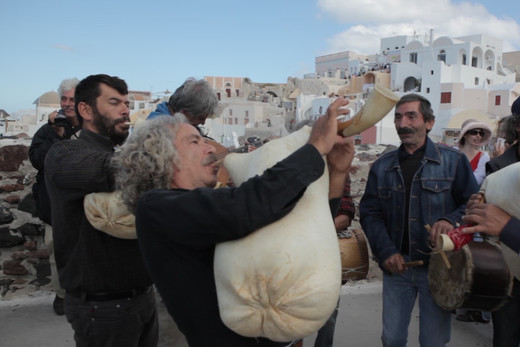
(147, 158)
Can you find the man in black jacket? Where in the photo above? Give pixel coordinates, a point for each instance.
(109, 300)
(62, 124)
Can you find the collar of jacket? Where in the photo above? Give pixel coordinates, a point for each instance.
(431, 153)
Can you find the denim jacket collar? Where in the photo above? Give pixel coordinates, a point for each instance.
(431, 153)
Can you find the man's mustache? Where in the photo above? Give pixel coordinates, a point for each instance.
(212, 158)
(405, 131)
(122, 120)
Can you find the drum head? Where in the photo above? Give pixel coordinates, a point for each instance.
(449, 286)
(478, 278)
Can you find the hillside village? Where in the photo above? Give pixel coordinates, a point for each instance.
(463, 77)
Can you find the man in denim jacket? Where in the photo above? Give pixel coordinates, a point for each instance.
(413, 194)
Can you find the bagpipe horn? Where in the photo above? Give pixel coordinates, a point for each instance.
(380, 101)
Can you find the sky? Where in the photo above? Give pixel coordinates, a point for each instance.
(155, 45)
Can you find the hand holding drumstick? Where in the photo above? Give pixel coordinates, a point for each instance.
(396, 264)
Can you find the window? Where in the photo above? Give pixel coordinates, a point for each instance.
(442, 55)
(497, 100)
(446, 98)
(230, 112)
(413, 58)
(474, 61)
(246, 121)
(476, 81)
(431, 72)
(464, 59)
(236, 120)
(247, 114)
(230, 121)
(427, 90)
(237, 91)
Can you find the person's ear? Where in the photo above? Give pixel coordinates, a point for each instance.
(85, 111)
(429, 124)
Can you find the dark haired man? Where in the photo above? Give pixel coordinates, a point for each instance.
(512, 154)
(515, 107)
(109, 300)
(419, 184)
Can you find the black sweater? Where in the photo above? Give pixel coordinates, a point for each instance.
(178, 230)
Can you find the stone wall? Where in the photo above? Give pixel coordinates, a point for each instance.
(24, 263)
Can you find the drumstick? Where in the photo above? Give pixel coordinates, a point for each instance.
(443, 255)
(445, 258)
(414, 263)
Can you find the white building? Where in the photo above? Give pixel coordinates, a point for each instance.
(343, 64)
(456, 74)
(391, 47)
(240, 119)
(139, 100)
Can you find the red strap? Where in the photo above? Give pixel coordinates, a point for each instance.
(475, 160)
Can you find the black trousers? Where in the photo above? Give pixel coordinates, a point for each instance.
(506, 321)
(129, 322)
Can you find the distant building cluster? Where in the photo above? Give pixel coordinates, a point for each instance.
(463, 77)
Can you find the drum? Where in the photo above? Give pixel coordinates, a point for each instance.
(478, 278)
(354, 255)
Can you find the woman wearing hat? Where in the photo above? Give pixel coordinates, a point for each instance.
(474, 135)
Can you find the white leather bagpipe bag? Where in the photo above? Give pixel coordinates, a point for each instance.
(283, 281)
(502, 189)
(107, 212)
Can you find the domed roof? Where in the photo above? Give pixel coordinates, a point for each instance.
(47, 99)
(457, 120)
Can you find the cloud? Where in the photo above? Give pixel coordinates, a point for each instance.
(368, 21)
(63, 47)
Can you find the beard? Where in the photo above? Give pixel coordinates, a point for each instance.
(107, 127)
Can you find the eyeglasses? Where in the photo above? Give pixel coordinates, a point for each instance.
(477, 132)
